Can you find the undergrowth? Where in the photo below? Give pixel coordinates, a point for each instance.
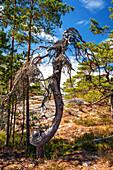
(89, 121)
(103, 148)
(57, 147)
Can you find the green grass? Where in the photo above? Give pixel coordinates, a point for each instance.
(54, 148)
(2, 139)
(55, 166)
(66, 120)
(57, 147)
(86, 122)
(31, 151)
(18, 144)
(106, 120)
(103, 148)
(103, 120)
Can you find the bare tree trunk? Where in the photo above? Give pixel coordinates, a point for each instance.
(112, 105)
(10, 82)
(40, 151)
(27, 114)
(39, 139)
(2, 117)
(27, 101)
(12, 115)
(13, 137)
(23, 111)
(27, 96)
(8, 116)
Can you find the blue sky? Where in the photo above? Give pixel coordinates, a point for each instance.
(80, 17)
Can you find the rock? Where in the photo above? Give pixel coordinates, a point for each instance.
(77, 101)
(95, 156)
(87, 163)
(62, 125)
(94, 115)
(77, 117)
(80, 130)
(69, 125)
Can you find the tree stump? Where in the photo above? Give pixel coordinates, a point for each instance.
(40, 151)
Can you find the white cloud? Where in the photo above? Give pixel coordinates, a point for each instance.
(107, 39)
(86, 22)
(83, 22)
(43, 35)
(110, 41)
(48, 36)
(47, 70)
(65, 76)
(80, 22)
(61, 30)
(93, 5)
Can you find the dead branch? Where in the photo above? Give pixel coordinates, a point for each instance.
(94, 140)
(102, 98)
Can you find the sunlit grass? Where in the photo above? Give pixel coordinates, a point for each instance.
(57, 147)
(2, 139)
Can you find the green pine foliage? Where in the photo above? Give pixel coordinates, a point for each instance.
(36, 89)
(22, 23)
(89, 87)
(35, 16)
(99, 62)
(3, 59)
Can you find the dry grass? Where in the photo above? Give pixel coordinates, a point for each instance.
(67, 150)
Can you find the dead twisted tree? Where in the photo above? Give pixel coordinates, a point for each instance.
(71, 36)
(57, 53)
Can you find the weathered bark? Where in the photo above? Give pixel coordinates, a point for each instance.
(11, 115)
(40, 140)
(40, 151)
(112, 105)
(8, 116)
(27, 113)
(27, 95)
(23, 111)
(2, 117)
(37, 138)
(13, 137)
(10, 81)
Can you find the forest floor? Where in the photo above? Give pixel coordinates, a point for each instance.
(71, 148)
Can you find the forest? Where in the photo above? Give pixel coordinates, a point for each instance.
(43, 125)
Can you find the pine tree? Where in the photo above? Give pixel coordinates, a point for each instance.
(99, 63)
(27, 19)
(4, 47)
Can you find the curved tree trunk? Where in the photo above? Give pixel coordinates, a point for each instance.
(39, 138)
